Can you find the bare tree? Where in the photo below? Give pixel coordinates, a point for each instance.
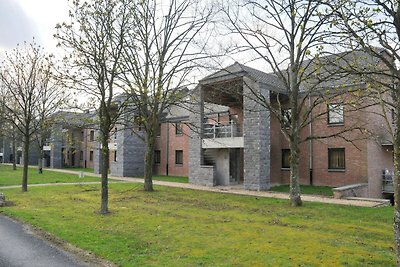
(95, 39)
(52, 98)
(289, 37)
(374, 26)
(159, 56)
(24, 76)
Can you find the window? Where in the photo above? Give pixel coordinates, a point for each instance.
(336, 159)
(81, 155)
(82, 135)
(287, 117)
(115, 156)
(91, 155)
(285, 158)
(91, 136)
(178, 156)
(158, 130)
(335, 114)
(157, 156)
(178, 128)
(115, 133)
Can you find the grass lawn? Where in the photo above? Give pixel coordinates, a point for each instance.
(176, 179)
(306, 189)
(80, 169)
(10, 177)
(178, 227)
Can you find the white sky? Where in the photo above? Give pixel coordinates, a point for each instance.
(21, 20)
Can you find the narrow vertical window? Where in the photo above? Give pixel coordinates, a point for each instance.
(285, 158)
(157, 156)
(178, 128)
(91, 136)
(178, 157)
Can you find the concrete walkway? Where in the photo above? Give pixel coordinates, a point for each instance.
(237, 190)
(20, 247)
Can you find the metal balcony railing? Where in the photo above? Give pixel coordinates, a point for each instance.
(387, 181)
(222, 130)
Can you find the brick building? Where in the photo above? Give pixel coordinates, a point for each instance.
(227, 138)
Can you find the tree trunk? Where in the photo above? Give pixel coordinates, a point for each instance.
(26, 163)
(148, 163)
(294, 191)
(105, 153)
(14, 151)
(396, 184)
(41, 156)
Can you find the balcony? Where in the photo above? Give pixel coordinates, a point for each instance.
(222, 135)
(387, 181)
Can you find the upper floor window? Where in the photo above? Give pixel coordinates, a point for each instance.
(335, 114)
(115, 133)
(287, 117)
(158, 130)
(91, 136)
(178, 128)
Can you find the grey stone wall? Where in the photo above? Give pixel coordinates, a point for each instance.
(33, 154)
(130, 155)
(97, 156)
(56, 147)
(256, 133)
(198, 174)
(6, 149)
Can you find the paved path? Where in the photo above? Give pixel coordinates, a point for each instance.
(238, 190)
(19, 248)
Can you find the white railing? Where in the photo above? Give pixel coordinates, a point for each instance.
(221, 131)
(387, 181)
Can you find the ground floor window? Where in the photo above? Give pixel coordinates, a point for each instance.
(115, 156)
(285, 158)
(336, 159)
(91, 155)
(157, 156)
(81, 155)
(178, 156)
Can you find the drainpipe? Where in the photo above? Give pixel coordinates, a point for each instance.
(310, 143)
(167, 166)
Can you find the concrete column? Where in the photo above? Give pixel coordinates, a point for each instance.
(56, 147)
(256, 133)
(97, 154)
(130, 155)
(222, 167)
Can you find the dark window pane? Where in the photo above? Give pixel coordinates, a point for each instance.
(285, 158)
(336, 158)
(178, 157)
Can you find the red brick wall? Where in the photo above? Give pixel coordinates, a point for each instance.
(175, 142)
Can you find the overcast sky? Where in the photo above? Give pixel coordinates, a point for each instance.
(21, 20)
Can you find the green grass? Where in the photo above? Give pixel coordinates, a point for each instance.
(10, 177)
(306, 189)
(178, 227)
(176, 179)
(80, 169)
